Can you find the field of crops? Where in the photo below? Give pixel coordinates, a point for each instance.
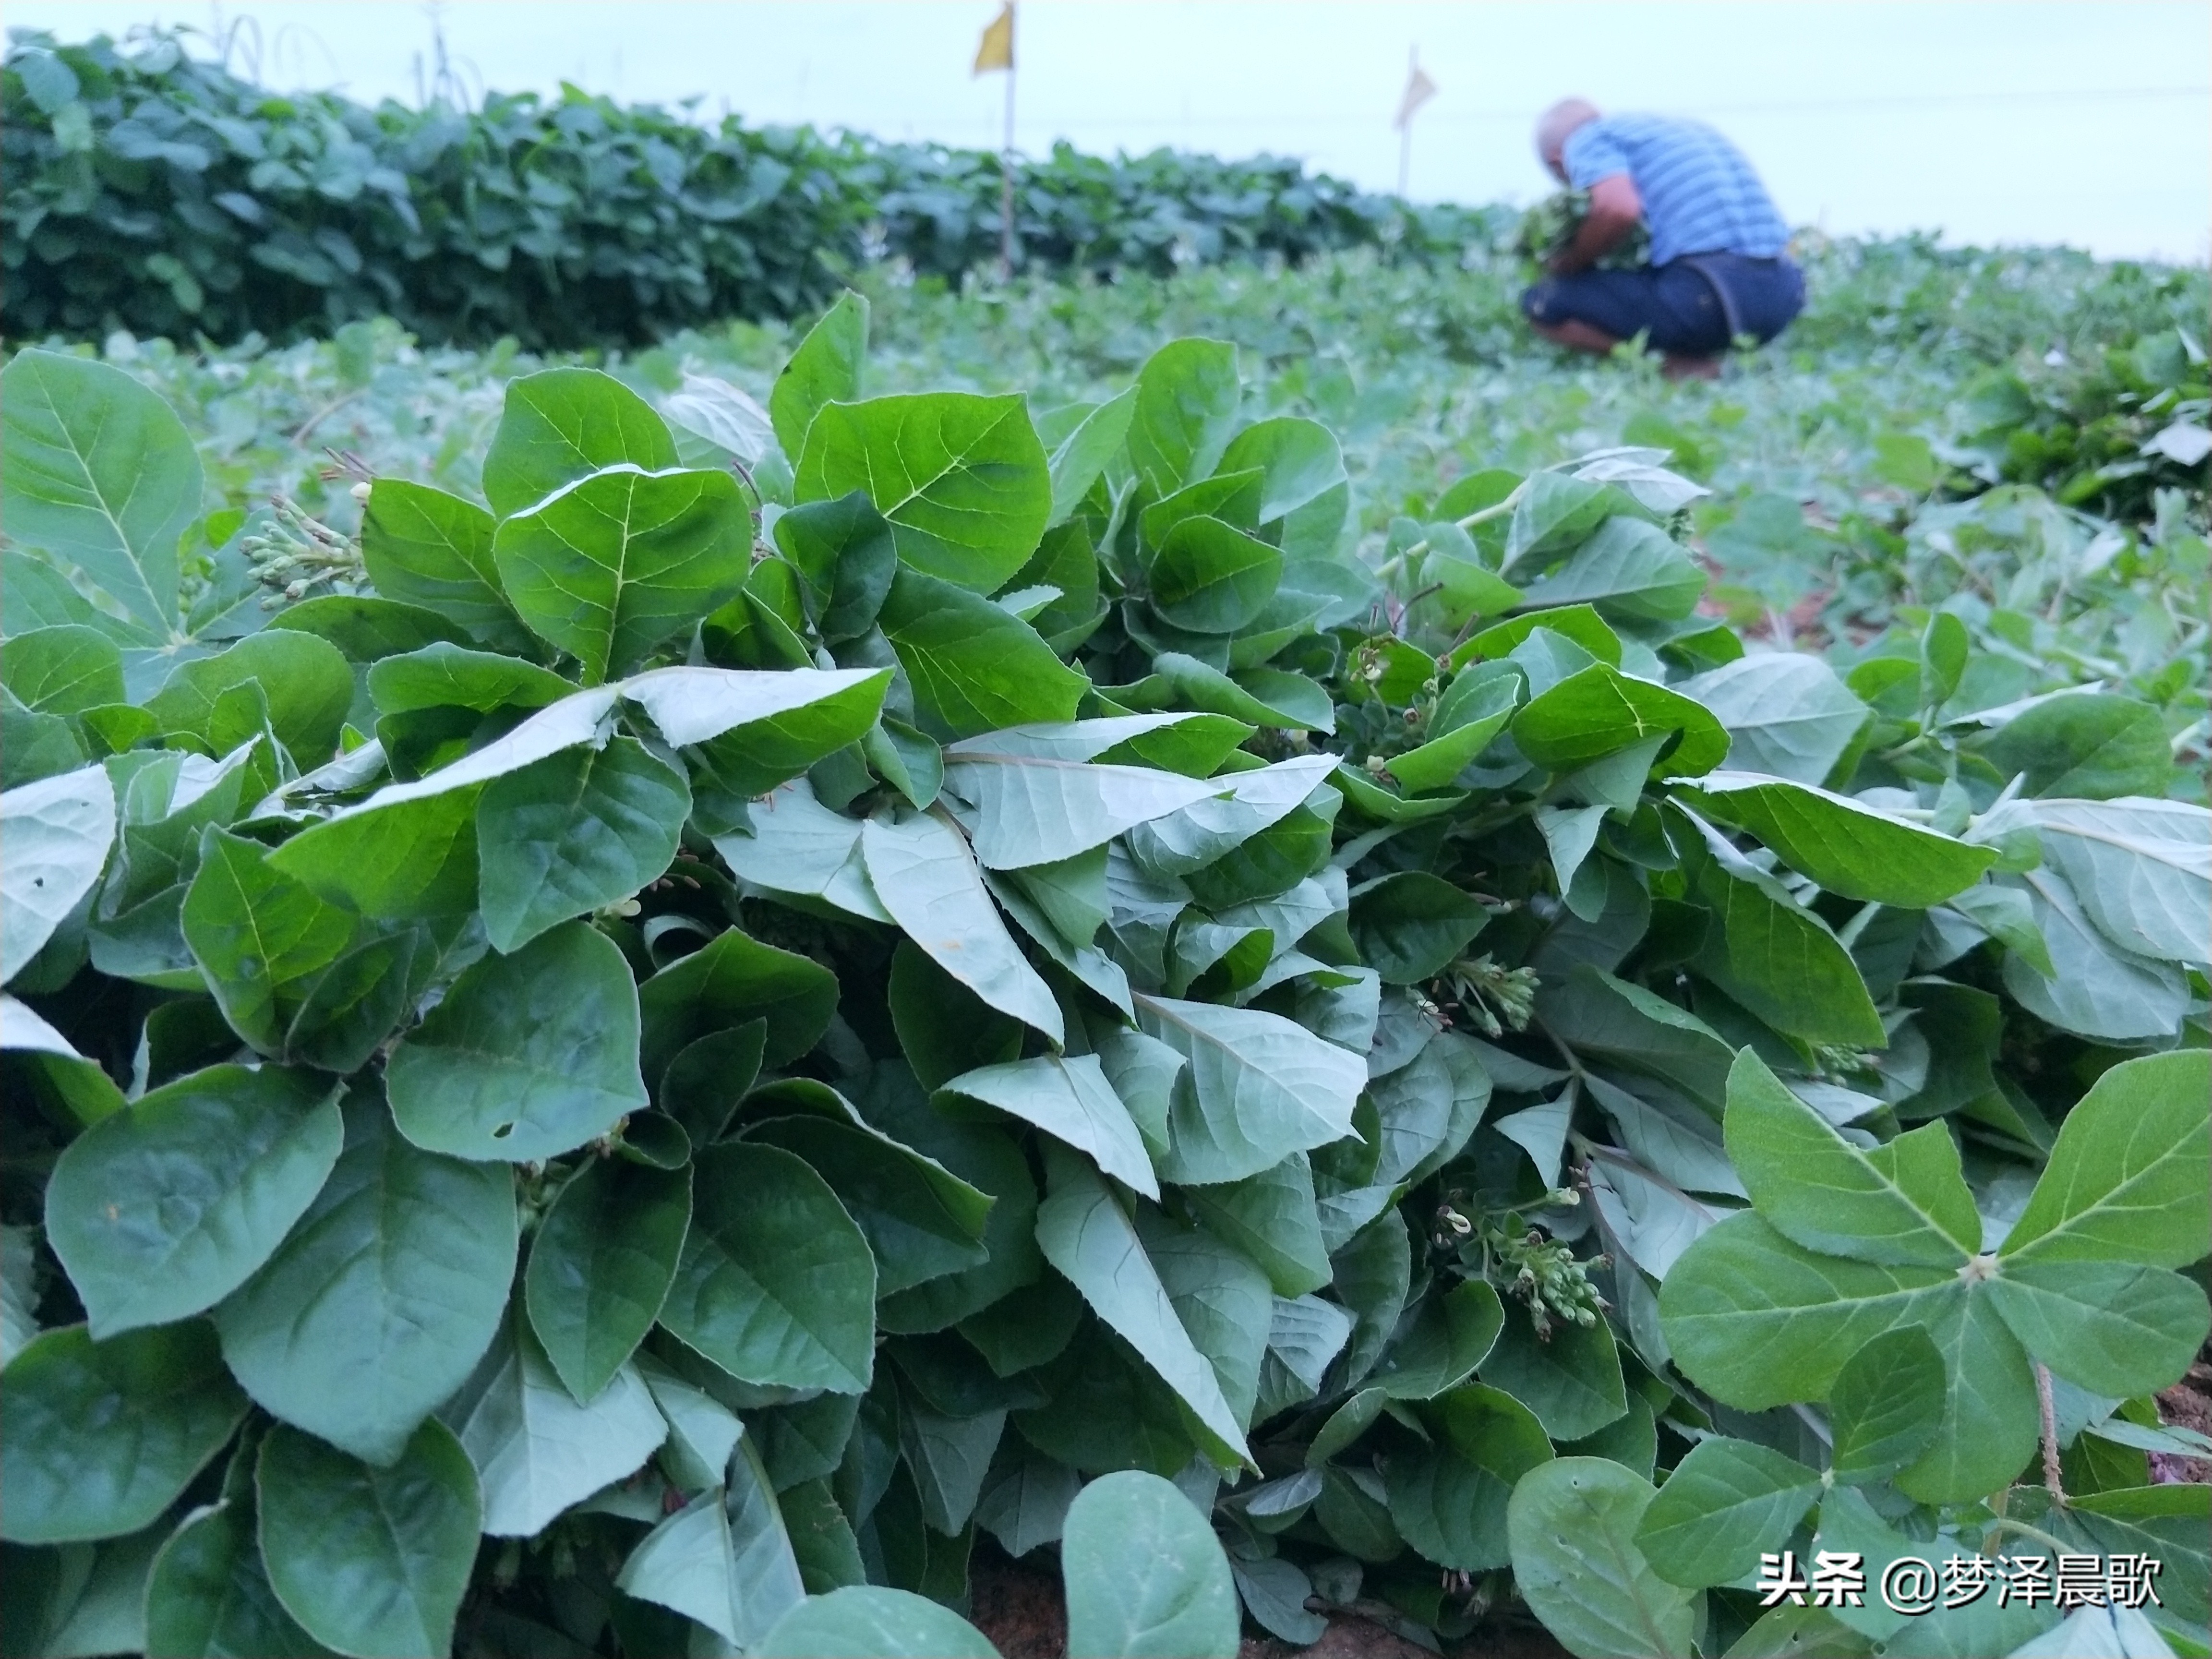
(1237, 927)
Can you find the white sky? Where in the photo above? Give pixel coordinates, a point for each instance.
(2089, 124)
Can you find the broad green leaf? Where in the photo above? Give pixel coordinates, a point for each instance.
(1410, 925)
(528, 1057)
(1223, 1300)
(1452, 1502)
(925, 876)
(2167, 1522)
(536, 1450)
(2095, 988)
(1040, 809)
(1069, 1099)
(1271, 1218)
(98, 1598)
(2084, 745)
(725, 1560)
(421, 546)
(1774, 956)
(1303, 483)
(1598, 711)
(413, 856)
(1451, 1509)
(2140, 869)
(1572, 1381)
(2127, 1179)
(1786, 713)
(1439, 1349)
(1804, 1633)
(962, 479)
(102, 474)
(63, 670)
(974, 665)
(57, 832)
(733, 980)
(845, 556)
(1084, 1233)
(381, 1301)
(430, 700)
(612, 566)
(2116, 1328)
(943, 1028)
(754, 730)
(601, 1262)
(103, 1437)
(308, 687)
(1988, 1427)
(796, 845)
(562, 425)
(1846, 848)
(1476, 718)
(366, 629)
(1274, 1592)
(207, 1594)
(1145, 1575)
(1886, 1405)
(34, 746)
(1081, 455)
(371, 1561)
(1187, 400)
(1211, 578)
(1258, 1087)
(946, 1458)
(869, 1621)
(777, 1284)
(1573, 1524)
(1725, 1504)
(920, 1219)
(1904, 1203)
(1600, 1016)
(1026, 1498)
(1245, 805)
(825, 368)
(1261, 696)
(162, 1209)
(574, 832)
(1757, 1321)
(256, 933)
(1630, 567)
(1428, 1108)
(990, 1162)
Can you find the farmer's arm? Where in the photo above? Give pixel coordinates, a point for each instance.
(1615, 210)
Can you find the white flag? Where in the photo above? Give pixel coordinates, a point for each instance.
(1419, 90)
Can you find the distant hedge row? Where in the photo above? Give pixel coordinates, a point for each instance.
(148, 190)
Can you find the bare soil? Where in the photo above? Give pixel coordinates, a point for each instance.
(2187, 1404)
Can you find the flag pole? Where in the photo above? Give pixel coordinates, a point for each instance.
(1006, 169)
(1406, 127)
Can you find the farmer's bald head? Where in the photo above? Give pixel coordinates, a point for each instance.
(1555, 125)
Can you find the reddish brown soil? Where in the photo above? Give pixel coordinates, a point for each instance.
(1018, 1605)
(2188, 1403)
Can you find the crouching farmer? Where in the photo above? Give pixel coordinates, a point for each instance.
(1718, 270)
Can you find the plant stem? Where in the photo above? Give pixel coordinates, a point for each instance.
(2050, 1436)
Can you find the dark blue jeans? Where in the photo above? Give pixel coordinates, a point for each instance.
(1694, 306)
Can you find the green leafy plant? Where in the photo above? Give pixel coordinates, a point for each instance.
(1549, 229)
(153, 190)
(766, 991)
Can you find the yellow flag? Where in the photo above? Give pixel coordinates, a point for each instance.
(997, 50)
(1419, 90)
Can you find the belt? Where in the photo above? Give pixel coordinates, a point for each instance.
(1707, 267)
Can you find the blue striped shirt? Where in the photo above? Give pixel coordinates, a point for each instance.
(1700, 195)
